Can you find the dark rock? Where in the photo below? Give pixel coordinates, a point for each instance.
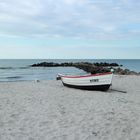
(92, 68)
(106, 64)
(45, 64)
(133, 73)
(125, 72)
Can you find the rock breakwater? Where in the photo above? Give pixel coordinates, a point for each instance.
(92, 68)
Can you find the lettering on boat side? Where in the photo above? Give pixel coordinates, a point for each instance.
(94, 80)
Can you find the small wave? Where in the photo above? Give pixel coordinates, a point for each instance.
(9, 68)
(14, 77)
(23, 67)
(3, 68)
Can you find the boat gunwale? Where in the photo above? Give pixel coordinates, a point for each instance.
(98, 74)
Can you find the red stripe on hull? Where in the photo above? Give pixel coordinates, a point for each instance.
(99, 74)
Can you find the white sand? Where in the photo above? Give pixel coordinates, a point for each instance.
(49, 111)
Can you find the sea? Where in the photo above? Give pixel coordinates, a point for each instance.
(19, 69)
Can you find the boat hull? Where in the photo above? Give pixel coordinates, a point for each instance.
(91, 87)
(100, 82)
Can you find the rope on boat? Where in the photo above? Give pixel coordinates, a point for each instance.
(119, 90)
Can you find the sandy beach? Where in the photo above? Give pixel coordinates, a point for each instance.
(47, 110)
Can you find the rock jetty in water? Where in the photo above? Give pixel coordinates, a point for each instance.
(92, 68)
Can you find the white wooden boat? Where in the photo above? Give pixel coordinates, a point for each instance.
(101, 81)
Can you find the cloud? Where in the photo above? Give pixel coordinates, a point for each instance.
(69, 18)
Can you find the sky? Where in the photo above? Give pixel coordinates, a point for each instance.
(70, 29)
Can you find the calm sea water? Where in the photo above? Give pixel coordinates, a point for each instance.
(19, 69)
